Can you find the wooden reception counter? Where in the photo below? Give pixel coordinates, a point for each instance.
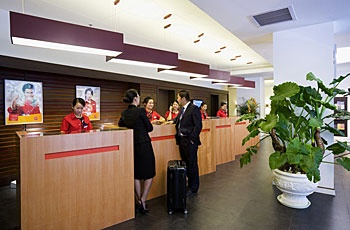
(85, 180)
(76, 181)
(221, 142)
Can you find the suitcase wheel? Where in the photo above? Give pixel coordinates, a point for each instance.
(170, 212)
(185, 211)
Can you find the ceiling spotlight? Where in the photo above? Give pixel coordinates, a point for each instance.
(248, 63)
(196, 41)
(167, 16)
(232, 59)
(218, 51)
(167, 26)
(200, 35)
(223, 47)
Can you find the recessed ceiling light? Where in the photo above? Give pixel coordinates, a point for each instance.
(167, 16)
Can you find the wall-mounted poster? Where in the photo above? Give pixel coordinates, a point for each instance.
(23, 102)
(91, 95)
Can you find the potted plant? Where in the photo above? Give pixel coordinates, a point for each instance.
(299, 117)
(249, 106)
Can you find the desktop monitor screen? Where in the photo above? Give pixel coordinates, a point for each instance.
(197, 102)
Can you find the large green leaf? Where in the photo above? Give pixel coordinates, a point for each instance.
(269, 124)
(338, 147)
(277, 159)
(345, 162)
(315, 122)
(284, 90)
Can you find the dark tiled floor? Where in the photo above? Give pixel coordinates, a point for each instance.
(232, 198)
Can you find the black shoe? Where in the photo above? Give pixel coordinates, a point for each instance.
(143, 207)
(190, 193)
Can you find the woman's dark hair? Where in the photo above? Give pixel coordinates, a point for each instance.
(203, 103)
(145, 101)
(78, 100)
(27, 86)
(130, 94)
(223, 103)
(89, 89)
(172, 103)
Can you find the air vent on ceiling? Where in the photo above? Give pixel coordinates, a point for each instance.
(276, 16)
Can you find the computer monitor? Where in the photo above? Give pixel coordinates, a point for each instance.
(197, 102)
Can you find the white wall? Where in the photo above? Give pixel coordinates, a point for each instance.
(297, 52)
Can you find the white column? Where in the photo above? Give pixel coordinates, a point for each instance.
(297, 52)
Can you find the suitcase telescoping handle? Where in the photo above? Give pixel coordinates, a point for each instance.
(177, 164)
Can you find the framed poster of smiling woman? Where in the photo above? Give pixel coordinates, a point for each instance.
(23, 102)
(91, 95)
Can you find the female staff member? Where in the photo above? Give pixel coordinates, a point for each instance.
(203, 109)
(173, 111)
(76, 121)
(144, 162)
(222, 112)
(153, 116)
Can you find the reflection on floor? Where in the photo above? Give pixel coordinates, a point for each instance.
(232, 198)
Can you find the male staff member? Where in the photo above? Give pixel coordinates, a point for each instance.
(188, 127)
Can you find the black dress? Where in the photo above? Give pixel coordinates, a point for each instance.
(144, 161)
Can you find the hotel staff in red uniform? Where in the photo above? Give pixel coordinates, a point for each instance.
(173, 111)
(203, 109)
(223, 110)
(76, 121)
(153, 116)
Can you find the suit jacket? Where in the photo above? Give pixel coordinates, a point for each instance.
(191, 124)
(135, 118)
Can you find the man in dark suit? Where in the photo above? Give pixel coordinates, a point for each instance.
(188, 127)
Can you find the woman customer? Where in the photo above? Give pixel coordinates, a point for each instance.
(153, 116)
(76, 121)
(144, 162)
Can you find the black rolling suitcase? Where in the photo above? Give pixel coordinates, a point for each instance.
(176, 186)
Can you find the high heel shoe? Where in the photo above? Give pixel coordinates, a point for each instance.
(143, 207)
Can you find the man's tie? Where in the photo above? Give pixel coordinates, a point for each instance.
(182, 112)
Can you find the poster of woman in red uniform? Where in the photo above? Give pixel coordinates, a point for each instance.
(91, 95)
(23, 102)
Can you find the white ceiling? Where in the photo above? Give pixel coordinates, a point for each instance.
(228, 24)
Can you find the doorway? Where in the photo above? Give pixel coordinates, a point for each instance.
(165, 98)
(214, 104)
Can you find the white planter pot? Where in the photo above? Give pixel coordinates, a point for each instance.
(294, 188)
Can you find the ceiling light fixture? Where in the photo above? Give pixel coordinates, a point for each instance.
(45, 33)
(167, 26)
(167, 16)
(233, 81)
(200, 35)
(242, 83)
(143, 56)
(188, 68)
(215, 75)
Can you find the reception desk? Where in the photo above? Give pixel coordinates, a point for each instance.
(86, 180)
(221, 143)
(76, 181)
